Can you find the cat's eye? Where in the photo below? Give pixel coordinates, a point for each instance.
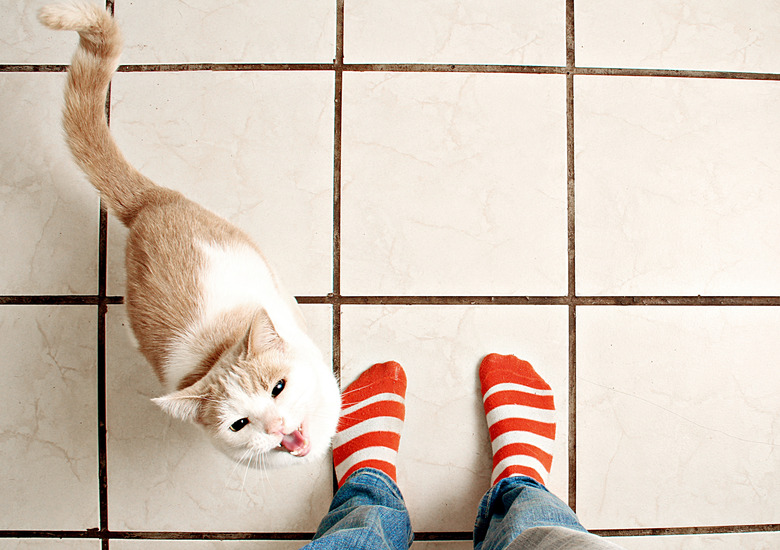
(238, 424)
(277, 389)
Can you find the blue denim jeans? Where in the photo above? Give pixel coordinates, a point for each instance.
(515, 504)
(368, 512)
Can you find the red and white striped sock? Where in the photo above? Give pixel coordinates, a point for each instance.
(520, 416)
(372, 415)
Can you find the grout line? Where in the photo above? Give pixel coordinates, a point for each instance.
(330, 299)
(713, 301)
(224, 67)
(412, 67)
(101, 373)
(452, 68)
(102, 413)
(419, 536)
(337, 124)
(674, 73)
(571, 250)
(701, 530)
(570, 49)
(58, 300)
(453, 300)
(335, 296)
(101, 421)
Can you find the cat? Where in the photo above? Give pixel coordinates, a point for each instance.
(226, 342)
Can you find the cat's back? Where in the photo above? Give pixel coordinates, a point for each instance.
(185, 265)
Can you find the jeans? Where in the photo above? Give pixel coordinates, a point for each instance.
(368, 512)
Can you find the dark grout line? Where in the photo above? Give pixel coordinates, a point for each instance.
(58, 300)
(444, 536)
(338, 101)
(570, 49)
(453, 300)
(674, 73)
(571, 251)
(102, 412)
(330, 299)
(419, 536)
(101, 371)
(410, 68)
(702, 530)
(335, 296)
(452, 68)
(678, 301)
(224, 67)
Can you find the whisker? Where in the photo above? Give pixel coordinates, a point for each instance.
(264, 469)
(235, 467)
(246, 471)
(361, 388)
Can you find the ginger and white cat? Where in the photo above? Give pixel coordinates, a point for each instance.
(225, 340)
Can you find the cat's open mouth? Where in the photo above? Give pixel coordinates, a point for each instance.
(296, 443)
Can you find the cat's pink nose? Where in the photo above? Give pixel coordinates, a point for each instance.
(275, 427)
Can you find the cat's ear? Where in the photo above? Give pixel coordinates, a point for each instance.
(183, 404)
(262, 335)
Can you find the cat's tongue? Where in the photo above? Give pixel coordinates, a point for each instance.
(296, 443)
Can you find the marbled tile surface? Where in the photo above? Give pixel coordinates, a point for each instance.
(723, 35)
(442, 191)
(453, 184)
(48, 211)
(677, 407)
(754, 541)
(209, 31)
(48, 423)
(256, 148)
(679, 197)
(51, 544)
(24, 40)
(454, 31)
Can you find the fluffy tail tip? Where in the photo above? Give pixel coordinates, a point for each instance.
(76, 16)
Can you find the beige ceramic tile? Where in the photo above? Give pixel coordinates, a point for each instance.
(23, 40)
(723, 35)
(742, 541)
(51, 544)
(166, 476)
(49, 419)
(677, 187)
(48, 211)
(444, 461)
(205, 545)
(257, 148)
(676, 416)
(453, 184)
(451, 31)
(174, 31)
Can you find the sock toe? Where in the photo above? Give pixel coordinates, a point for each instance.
(520, 413)
(369, 431)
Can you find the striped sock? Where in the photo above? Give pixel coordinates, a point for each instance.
(372, 416)
(520, 416)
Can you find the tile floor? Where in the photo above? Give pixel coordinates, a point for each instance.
(591, 187)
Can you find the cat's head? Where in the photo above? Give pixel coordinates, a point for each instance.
(267, 400)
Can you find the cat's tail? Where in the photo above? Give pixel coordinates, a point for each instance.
(124, 189)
